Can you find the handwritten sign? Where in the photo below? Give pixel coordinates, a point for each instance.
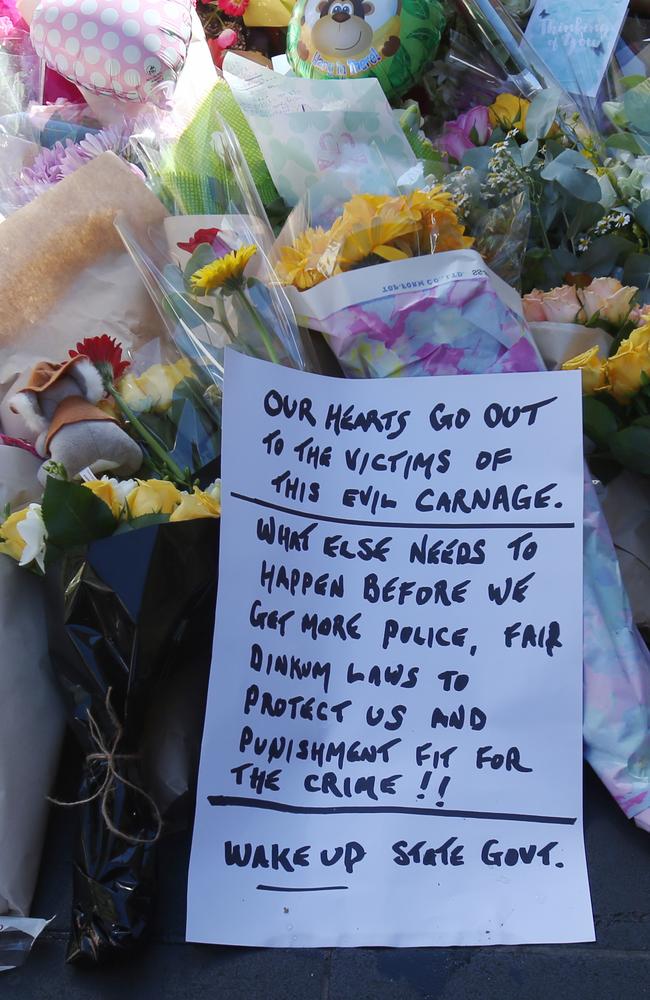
(576, 40)
(392, 744)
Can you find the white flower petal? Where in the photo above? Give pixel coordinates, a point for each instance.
(32, 530)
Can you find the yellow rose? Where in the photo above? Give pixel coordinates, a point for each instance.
(12, 544)
(104, 489)
(132, 394)
(196, 504)
(159, 381)
(153, 496)
(592, 367)
(509, 112)
(154, 388)
(638, 339)
(624, 370)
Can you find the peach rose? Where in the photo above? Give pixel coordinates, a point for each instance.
(534, 306)
(609, 298)
(561, 305)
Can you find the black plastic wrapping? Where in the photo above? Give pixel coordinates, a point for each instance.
(123, 615)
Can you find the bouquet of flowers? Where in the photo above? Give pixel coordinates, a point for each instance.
(395, 288)
(108, 546)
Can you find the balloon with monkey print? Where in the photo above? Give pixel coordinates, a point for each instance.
(393, 40)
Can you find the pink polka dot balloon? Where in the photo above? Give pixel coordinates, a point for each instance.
(120, 48)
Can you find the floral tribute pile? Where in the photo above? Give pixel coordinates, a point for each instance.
(449, 211)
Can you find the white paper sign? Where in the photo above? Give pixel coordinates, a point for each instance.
(392, 745)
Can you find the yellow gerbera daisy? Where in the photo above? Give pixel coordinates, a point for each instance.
(224, 269)
(310, 259)
(371, 224)
(439, 220)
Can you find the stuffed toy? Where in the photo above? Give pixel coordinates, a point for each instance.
(57, 408)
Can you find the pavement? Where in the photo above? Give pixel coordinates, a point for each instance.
(615, 967)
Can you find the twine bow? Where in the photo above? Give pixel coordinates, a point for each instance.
(111, 758)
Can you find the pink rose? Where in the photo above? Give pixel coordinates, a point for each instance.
(467, 131)
(534, 306)
(640, 315)
(609, 298)
(561, 305)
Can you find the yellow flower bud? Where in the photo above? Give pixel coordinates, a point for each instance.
(153, 496)
(12, 544)
(194, 505)
(624, 370)
(105, 490)
(592, 367)
(509, 112)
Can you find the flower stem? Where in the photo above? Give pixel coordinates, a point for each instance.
(147, 436)
(261, 326)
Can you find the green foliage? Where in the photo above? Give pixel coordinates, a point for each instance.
(73, 515)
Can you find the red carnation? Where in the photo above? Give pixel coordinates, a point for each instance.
(209, 237)
(105, 353)
(200, 236)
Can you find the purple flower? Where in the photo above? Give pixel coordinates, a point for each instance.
(52, 165)
(465, 132)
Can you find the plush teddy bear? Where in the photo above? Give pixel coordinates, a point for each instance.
(58, 411)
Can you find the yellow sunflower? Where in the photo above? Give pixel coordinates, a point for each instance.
(310, 259)
(224, 269)
(372, 224)
(439, 220)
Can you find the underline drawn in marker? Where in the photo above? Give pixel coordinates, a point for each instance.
(450, 525)
(304, 888)
(242, 801)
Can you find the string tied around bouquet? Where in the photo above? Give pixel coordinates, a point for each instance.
(108, 755)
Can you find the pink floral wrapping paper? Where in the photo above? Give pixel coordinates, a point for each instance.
(449, 315)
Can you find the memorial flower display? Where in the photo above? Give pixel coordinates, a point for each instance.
(218, 283)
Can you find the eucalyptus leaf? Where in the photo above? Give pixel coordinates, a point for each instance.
(578, 183)
(528, 152)
(203, 255)
(636, 271)
(569, 158)
(625, 141)
(642, 215)
(636, 103)
(604, 253)
(478, 158)
(541, 113)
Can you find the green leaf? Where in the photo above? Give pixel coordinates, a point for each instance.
(528, 152)
(642, 215)
(627, 82)
(478, 158)
(141, 522)
(603, 254)
(599, 422)
(202, 256)
(626, 141)
(637, 107)
(541, 113)
(636, 270)
(572, 179)
(631, 447)
(73, 515)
